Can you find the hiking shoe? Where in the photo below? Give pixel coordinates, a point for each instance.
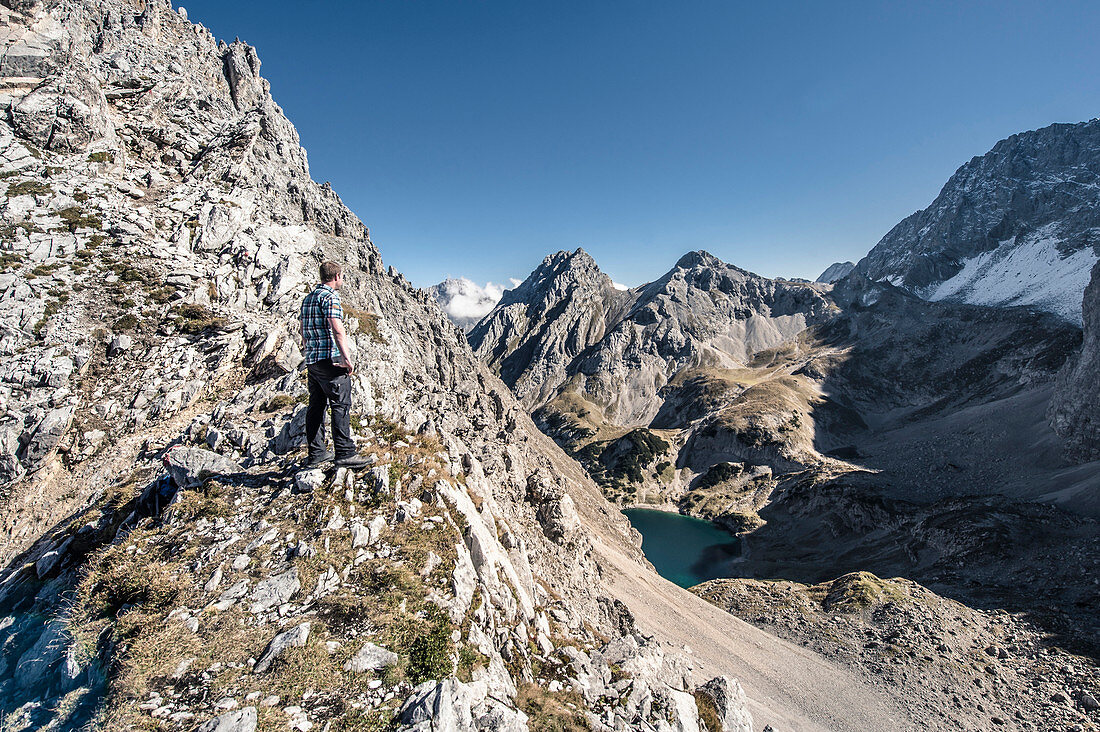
(353, 461)
(314, 462)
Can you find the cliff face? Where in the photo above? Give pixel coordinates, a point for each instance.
(160, 228)
(1075, 407)
(1015, 226)
(538, 329)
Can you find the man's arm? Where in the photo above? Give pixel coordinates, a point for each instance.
(341, 337)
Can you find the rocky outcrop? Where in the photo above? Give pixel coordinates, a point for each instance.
(1075, 407)
(991, 666)
(1015, 226)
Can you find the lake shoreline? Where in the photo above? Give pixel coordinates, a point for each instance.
(684, 549)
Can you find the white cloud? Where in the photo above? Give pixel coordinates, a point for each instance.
(464, 301)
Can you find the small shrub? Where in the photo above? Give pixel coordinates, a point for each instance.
(429, 652)
(74, 218)
(278, 402)
(549, 711)
(44, 270)
(129, 274)
(102, 156)
(195, 319)
(708, 712)
(195, 504)
(126, 322)
(29, 188)
(10, 261)
(162, 294)
(80, 196)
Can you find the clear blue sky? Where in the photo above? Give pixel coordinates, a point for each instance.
(474, 138)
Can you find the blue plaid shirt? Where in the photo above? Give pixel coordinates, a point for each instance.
(320, 305)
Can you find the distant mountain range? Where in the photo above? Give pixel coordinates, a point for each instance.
(895, 412)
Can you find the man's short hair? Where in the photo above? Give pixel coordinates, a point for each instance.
(329, 270)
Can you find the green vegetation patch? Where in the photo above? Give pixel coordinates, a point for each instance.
(102, 156)
(858, 590)
(162, 295)
(194, 319)
(29, 188)
(9, 260)
(74, 218)
(278, 403)
(367, 323)
(623, 461)
(127, 322)
(708, 712)
(559, 711)
(719, 473)
(121, 576)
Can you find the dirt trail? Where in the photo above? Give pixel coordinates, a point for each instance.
(789, 687)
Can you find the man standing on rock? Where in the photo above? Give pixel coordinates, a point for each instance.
(329, 364)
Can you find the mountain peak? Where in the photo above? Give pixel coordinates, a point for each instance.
(835, 271)
(699, 258)
(1012, 227)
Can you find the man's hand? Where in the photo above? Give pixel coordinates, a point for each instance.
(337, 327)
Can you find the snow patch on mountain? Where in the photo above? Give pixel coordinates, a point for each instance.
(1032, 271)
(464, 301)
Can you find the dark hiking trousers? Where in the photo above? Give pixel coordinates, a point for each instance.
(330, 386)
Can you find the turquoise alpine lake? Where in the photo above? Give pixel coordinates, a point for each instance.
(683, 549)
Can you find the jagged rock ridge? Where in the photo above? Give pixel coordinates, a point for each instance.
(566, 329)
(1019, 225)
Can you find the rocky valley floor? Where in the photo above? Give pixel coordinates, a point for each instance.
(954, 667)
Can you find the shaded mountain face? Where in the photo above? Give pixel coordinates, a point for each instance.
(539, 328)
(1075, 408)
(1016, 226)
(711, 367)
